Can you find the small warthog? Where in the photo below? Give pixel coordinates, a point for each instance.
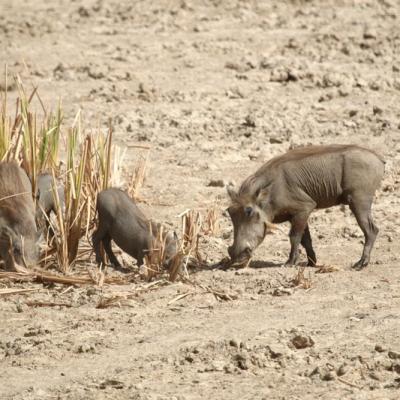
(122, 221)
(18, 232)
(46, 203)
(289, 187)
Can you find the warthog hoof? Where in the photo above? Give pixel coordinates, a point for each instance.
(361, 264)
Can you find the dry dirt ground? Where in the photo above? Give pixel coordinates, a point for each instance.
(216, 88)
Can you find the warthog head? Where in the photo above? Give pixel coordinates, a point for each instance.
(15, 249)
(171, 247)
(250, 225)
(170, 241)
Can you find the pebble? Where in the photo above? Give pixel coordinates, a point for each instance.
(374, 85)
(352, 113)
(327, 376)
(379, 348)
(216, 183)
(250, 121)
(275, 140)
(281, 291)
(369, 33)
(234, 343)
(374, 375)
(229, 368)
(342, 370)
(277, 350)
(302, 342)
(394, 355)
(218, 365)
(279, 75)
(243, 361)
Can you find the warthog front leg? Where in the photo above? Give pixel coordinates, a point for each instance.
(96, 240)
(360, 205)
(111, 256)
(299, 225)
(101, 236)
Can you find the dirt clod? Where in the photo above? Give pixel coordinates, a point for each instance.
(302, 342)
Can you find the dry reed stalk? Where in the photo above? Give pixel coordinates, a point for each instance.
(324, 269)
(117, 298)
(37, 145)
(8, 291)
(33, 140)
(188, 249)
(138, 178)
(220, 294)
(191, 228)
(155, 258)
(39, 275)
(47, 304)
(176, 265)
(180, 297)
(211, 224)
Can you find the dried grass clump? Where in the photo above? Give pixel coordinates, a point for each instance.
(187, 249)
(36, 141)
(300, 280)
(189, 245)
(84, 163)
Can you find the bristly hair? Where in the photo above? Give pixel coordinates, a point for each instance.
(251, 188)
(264, 176)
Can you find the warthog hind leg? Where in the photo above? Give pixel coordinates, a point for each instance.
(306, 242)
(360, 205)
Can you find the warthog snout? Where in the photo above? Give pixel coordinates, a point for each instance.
(241, 255)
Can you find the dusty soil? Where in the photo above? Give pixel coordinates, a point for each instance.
(216, 88)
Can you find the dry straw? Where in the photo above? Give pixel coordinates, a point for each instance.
(187, 248)
(211, 221)
(138, 178)
(33, 140)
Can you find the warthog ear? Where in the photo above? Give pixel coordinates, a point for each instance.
(260, 196)
(39, 237)
(232, 194)
(6, 232)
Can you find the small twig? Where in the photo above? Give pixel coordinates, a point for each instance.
(8, 291)
(180, 297)
(349, 383)
(46, 304)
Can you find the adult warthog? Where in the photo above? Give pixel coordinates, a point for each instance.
(18, 233)
(289, 187)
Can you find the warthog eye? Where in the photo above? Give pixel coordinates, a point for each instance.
(248, 211)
